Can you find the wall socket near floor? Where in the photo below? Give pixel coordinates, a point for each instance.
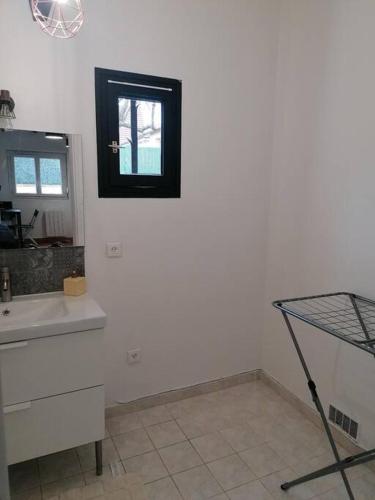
(134, 356)
(113, 249)
(345, 423)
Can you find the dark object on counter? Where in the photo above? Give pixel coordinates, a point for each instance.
(10, 214)
(7, 239)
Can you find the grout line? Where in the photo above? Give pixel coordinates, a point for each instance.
(176, 485)
(176, 395)
(196, 467)
(189, 440)
(79, 461)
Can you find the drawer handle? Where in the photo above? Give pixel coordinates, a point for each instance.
(18, 407)
(13, 345)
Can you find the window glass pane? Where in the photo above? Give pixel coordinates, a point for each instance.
(149, 137)
(124, 108)
(50, 176)
(140, 137)
(25, 175)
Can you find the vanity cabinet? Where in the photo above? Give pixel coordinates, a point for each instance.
(53, 393)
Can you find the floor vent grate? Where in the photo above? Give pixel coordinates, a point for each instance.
(347, 424)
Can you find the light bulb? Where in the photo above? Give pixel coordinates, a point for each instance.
(6, 110)
(58, 18)
(6, 123)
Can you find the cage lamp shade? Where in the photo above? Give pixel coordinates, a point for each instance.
(58, 18)
(6, 110)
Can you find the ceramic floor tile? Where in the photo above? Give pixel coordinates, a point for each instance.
(322, 484)
(86, 454)
(180, 457)
(219, 421)
(62, 486)
(243, 419)
(336, 494)
(266, 427)
(111, 484)
(132, 487)
(33, 494)
(292, 450)
(164, 489)
(236, 414)
(241, 438)
(197, 484)
(116, 495)
(212, 447)
(109, 472)
(59, 466)
(180, 409)
(305, 432)
(155, 415)
(91, 491)
(353, 472)
(24, 476)
(133, 443)
(262, 460)
(165, 434)
(273, 482)
(364, 487)
(194, 427)
(231, 472)
(116, 485)
(149, 466)
(251, 491)
(123, 423)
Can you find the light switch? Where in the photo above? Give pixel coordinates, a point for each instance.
(114, 249)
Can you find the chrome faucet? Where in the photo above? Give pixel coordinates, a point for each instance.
(6, 291)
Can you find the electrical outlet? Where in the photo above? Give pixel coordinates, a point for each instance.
(134, 356)
(114, 249)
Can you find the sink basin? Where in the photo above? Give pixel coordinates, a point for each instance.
(32, 310)
(35, 316)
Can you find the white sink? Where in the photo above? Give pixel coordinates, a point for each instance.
(35, 316)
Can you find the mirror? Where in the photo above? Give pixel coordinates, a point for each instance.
(41, 189)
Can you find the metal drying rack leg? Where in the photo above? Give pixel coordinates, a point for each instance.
(99, 457)
(338, 466)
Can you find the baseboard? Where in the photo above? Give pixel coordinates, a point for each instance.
(225, 382)
(312, 415)
(183, 393)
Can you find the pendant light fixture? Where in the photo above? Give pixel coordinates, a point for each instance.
(58, 18)
(6, 110)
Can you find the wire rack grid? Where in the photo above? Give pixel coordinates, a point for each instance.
(344, 315)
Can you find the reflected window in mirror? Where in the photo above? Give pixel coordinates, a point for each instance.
(138, 121)
(38, 174)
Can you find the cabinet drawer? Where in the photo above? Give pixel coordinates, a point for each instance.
(49, 425)
(49, 366)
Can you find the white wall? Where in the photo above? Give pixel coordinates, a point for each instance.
(189, 289)
(321, 234)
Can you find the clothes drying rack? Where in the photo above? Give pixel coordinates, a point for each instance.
(350, 318)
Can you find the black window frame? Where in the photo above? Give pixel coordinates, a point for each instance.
(110, 85)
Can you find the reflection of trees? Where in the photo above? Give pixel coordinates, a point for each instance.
(148, 121)
(124, 112)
